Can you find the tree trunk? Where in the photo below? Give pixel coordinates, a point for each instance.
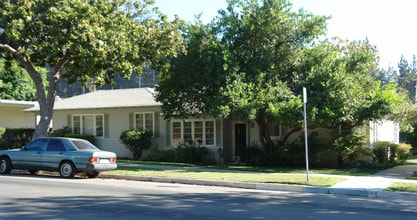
(264, 136)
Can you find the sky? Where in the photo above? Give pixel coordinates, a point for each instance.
(390, 25)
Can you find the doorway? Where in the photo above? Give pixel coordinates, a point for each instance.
(240, 140)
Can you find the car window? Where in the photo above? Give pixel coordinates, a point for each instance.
(55, 145)
(83, 145)
(36, 145)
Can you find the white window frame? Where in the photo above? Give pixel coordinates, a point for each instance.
(144, 123)
(94, 123)
(193, 133)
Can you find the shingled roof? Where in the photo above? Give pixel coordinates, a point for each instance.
(118, 98)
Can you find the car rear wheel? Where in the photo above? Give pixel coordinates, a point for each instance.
(67, 169)
(92, 174)
(5, 165)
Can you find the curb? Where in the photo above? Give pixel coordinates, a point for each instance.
(269, 186)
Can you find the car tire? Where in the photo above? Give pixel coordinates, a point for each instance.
(67, 169)
(92, 174)
(5, 165)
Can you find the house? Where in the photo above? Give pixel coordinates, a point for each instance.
(106, 113)
(13, 116)
(384, 130)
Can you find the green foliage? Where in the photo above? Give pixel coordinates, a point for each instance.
(15, 83)
(15, 137)
(384, 151)
(403, 151)
(349, 149)
(84, 41)
(67, 132)
(136, 141)
(254, 59)
(60, 132)
(182, 154)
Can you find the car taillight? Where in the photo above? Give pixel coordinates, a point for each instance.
(94, 159)
(113, 160)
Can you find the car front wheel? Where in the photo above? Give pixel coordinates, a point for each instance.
(5, 165)
(67, 169)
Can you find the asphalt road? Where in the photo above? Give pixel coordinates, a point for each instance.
(45, 197)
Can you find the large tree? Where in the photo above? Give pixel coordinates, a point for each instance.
(253, 60)
(84, 40)
(15, 83)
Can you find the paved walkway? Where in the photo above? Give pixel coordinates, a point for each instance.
(380, 180)
(368, 186)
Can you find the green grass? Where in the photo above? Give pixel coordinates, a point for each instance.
(403, 187)
(250, 174)
(231, 176)
(347, 172)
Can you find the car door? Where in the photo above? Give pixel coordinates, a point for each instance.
(54, 154)
(30, 157)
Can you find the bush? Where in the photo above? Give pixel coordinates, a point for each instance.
(403, 150)
(349, 148)
(66, 132)
(16, 137)
(384, 151)
(136, 141)
(60, 132)
(182, 154)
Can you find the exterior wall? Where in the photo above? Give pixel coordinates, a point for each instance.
(224, 150)
(118, 120)
(15, 117)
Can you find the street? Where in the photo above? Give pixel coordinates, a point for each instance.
(46, 197)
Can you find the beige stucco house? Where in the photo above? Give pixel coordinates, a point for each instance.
(106, 113)
(13, 116)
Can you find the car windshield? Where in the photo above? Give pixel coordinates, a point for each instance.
(83, 145)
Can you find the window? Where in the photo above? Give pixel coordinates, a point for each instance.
(198, 132)
(88, 124)
(274, 130)
(144, 121)
(55, 145)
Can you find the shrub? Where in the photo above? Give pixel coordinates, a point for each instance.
(16, 137)
(182, 153)
(384, 151)
(60, 132)
(349, 148)
(66, 132)
(403, 150)
(136, 141)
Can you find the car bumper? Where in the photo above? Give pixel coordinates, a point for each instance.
(100, 167)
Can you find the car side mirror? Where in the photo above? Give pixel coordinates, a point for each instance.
(25, 148)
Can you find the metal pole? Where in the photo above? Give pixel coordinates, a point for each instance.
(305, 129)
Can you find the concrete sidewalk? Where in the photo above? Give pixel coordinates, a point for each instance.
(369, 186)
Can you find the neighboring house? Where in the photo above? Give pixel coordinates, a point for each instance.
(384, 130)
(106, 113)
(13, 116)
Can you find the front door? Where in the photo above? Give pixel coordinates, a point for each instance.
(240, 139)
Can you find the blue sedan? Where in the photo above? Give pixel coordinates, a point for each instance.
(68, 156)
